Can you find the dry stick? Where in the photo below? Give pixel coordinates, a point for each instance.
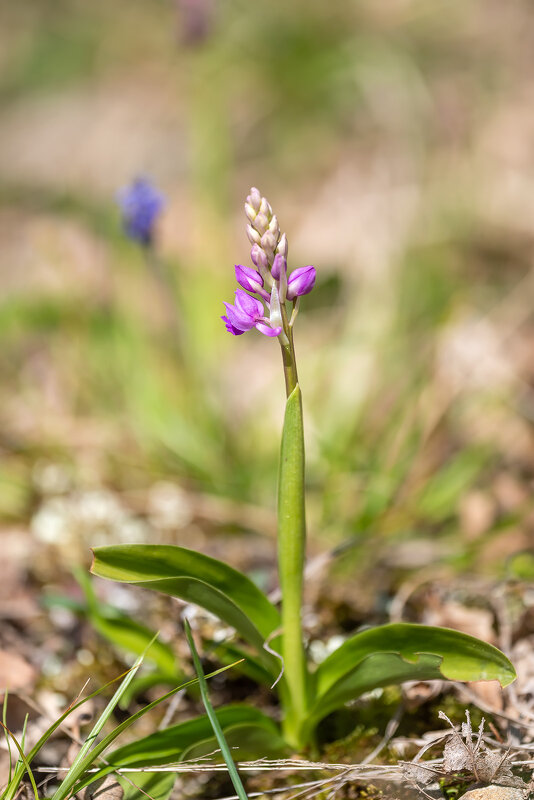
(319, 785)
(271, 791)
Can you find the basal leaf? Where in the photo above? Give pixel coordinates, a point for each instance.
(247, 741)
(196, 578)
(252, 667)
(129, 635)
(168, 746)
(400, 652)
(147, 785)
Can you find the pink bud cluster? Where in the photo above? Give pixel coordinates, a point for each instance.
(269, 280)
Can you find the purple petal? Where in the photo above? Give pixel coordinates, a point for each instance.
(239, 320)
(279, 266)
(247, 305)
(267, 330)
(230, 328)
(301, 281)
(250, 279)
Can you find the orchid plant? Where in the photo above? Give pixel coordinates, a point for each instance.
(274, 643)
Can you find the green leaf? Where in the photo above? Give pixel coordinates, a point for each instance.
(400, 652)
(252, 667)
(141, 683)
(103, 745)
(247, 741)
(129, 635)
(291, 557)
(168, 746)
(124, 632)
(144, 785)
(196, 578)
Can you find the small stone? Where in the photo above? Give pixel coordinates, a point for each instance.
(494, 793)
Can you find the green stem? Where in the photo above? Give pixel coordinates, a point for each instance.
(288, 355)
(291, 551)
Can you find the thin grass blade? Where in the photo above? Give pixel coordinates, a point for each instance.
(24, 761)
(217, 730)
(76, 768)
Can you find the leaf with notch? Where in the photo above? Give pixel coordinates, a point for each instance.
(400, 652)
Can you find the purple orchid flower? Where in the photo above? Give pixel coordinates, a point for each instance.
(251, 280)
(141, 204)
(247, 313)
(269, 281)
(301, 281)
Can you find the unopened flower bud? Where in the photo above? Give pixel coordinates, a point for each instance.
(301, 281)
(251, 212)
(254, 199)
(279, 266)
(274, 227)
(259, 259)
(261, 223)
(275, 316)
(282, 246)
(279, 272)
(248, 278)
(268, 241)
(253, 235)
(265, 208)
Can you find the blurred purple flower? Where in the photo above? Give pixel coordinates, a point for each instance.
(196, 19)
(301, 281)
(247, 313)
(141, 204)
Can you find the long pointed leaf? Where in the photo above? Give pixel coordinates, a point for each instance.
(214, 722)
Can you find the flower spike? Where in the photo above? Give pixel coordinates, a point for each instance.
(269, 280)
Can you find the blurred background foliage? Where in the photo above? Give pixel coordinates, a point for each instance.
(395, 141)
